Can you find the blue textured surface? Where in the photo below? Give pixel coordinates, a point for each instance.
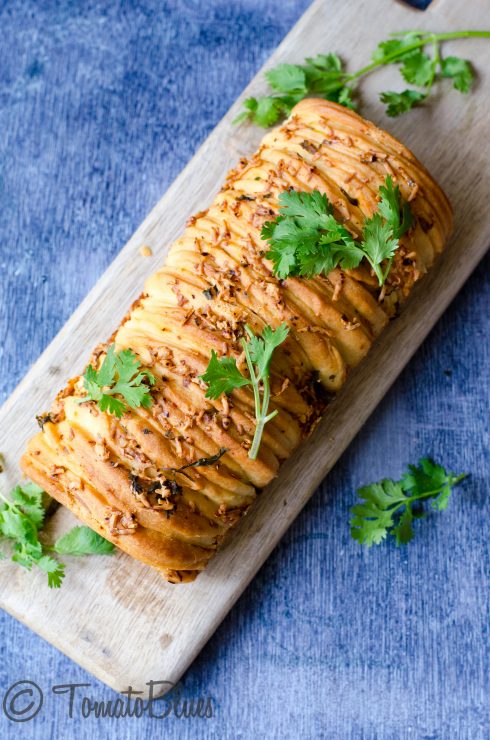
(101, 104)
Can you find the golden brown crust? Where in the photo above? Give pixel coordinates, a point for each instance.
(216, 279)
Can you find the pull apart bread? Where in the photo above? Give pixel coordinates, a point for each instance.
(114, 473)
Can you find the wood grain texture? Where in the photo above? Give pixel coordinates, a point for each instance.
(188, 615)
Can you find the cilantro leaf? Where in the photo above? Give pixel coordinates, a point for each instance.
(91, 384)
(29, 497)
(324, 76)
(15, 525)
(83, 541)
(287, 78)
(112, 405)
(261, 348)
(27, 554)
(125, 365)
(311, 208)
(398, 103)
(440, 503)
(323, 63)
(334, 247)
(426, 477)
(403, 529)
(54, 569)
(345, 98)
(349, 254)
(316, 262)
(394, 209)
(283, 255)
(250, 106)
(135, 392)
(106, 374)
(265, 111)
(378, 244)
(387, 507)
(222, 376)
(119, 375)
(417, 68)
(460, 71)
(395, 49)
(373, 518)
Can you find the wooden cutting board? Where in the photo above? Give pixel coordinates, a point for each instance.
(103, 600)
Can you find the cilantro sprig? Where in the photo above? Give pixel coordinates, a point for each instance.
(82, 540)
(21, 519)
(390, 507)
(119, 375)
(306, 239)
(223, 376)
(324, 76)
(321, 75)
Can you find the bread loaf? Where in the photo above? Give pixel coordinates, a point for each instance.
(119, 475)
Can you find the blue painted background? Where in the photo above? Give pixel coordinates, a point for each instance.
(101, 105)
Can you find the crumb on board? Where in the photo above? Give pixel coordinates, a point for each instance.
(146, 251)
